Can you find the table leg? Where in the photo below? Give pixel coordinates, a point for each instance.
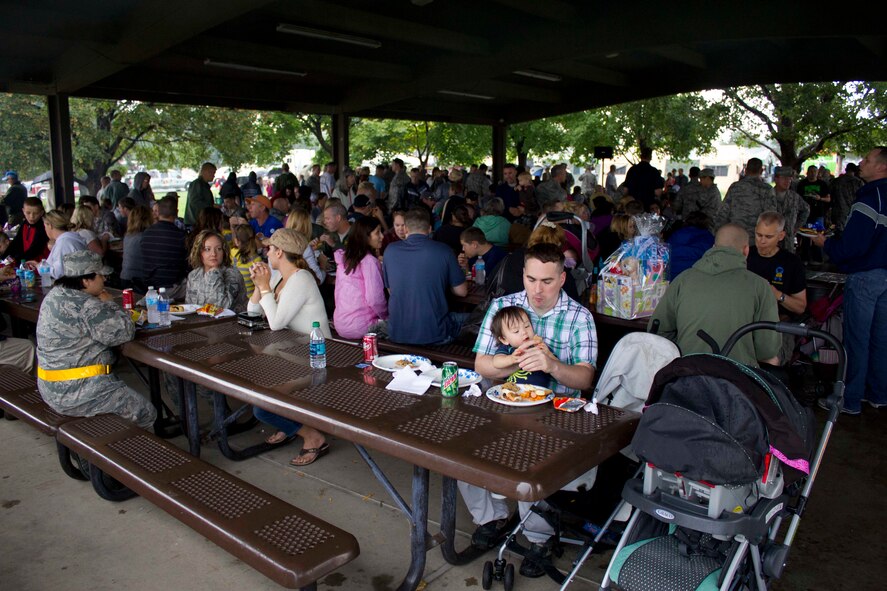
(188, 398)
(449, 499)
(418, 528)
(222, 428)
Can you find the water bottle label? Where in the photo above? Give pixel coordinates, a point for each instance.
(320, 348)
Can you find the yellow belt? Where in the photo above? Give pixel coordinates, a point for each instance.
(75, 373)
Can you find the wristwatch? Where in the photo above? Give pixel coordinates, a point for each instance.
(781, 298)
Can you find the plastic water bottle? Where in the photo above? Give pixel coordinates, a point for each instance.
(151, 302)
(317, 348)
(480, 271)
(45, 271)
(163, 307)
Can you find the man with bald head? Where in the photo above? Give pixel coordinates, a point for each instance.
(718, 295)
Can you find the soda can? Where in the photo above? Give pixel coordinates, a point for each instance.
(449, 380)
(127, 299)
(370, 347)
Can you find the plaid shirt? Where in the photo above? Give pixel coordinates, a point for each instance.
(567, 329)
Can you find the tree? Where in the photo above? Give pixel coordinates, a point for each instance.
(24, 134)
(537, 138)
(450, 143)
(675, 125)
(798, 121)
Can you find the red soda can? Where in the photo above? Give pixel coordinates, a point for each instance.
(370, 347)
(127, 299)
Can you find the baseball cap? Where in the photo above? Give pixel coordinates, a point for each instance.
(261, 199)
(784, 171)
(288, 240)
(10, 174)
(710, 173)
(84, 262)
(361, 201)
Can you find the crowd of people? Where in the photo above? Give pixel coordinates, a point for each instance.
(386, 252)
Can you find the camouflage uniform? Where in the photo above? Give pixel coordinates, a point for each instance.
(695, 197)
(550, 192)
(223, 287)
(477, 182)
(843, 192)
(397, 190)
(795, 211)
(75, 329)
(746, 199)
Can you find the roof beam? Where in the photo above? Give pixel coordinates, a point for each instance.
(374, 24)
(583, 71)
(151, 27)
(680, 54)
(554, 10)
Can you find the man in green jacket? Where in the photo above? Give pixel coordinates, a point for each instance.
(200, 196)
(718, 295)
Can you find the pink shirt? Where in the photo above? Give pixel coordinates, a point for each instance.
(360, 296)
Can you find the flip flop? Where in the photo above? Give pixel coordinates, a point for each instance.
(317, 451)
(278, 437)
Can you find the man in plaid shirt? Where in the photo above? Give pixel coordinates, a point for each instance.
(568, 330)
(565, 326)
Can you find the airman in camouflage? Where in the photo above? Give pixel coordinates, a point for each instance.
(791, 205)
(746, 199)
(843, 192)
(699, 195)
(76, 329)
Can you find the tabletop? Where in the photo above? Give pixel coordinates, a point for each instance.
(523, 453)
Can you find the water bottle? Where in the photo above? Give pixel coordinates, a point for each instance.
(480, 271)
(21, 273)
(163, 307)
(317, 348)
(151, 304)
(45, 271)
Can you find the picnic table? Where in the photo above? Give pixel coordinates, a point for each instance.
(523, 453)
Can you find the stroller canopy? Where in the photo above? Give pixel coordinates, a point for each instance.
(713, 419)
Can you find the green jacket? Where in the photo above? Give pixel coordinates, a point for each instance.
(495, 228)
(718, 295)
(200, 196)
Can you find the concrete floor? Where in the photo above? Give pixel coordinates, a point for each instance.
(57, 534)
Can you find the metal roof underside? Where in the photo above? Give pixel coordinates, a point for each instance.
(448, 60)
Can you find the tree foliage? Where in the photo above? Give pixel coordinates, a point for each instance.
(449, 143)
(538, 138)
(798, 121)
(24, 134)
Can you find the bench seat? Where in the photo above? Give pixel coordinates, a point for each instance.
(286, 544)
(20, 398)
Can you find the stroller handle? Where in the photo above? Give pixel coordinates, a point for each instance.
(794, 329)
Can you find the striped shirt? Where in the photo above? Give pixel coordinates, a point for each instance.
(164, 256)
(568, 330)
(244, 270)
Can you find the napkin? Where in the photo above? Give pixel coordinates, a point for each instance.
(424, 366)
(174, 318)
(472, 390)
(406, 380)
(591, 407)
(226, 313)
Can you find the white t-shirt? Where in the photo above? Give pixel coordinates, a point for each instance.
(299, 305)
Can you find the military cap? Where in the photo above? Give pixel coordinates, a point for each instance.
(85, 262)
(710, 173)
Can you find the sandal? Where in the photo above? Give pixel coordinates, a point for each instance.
(313, 452)
(277, 438)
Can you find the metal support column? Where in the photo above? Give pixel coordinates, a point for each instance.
(341, 140)
(500, 132)
(60, 149)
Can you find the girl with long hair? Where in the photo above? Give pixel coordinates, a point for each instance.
(360, 290)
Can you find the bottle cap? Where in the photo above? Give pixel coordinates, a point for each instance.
(315, 325)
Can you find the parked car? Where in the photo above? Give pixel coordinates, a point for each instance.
(41, 191)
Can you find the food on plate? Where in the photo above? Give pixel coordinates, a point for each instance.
(210, 310)
(522, 393)
(175, 308)
(401, 363)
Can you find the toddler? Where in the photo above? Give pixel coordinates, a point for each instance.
(512, 327)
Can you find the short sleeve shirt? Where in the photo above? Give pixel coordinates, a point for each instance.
(783, 270)
(419, 272)
(536, 378)
(268, 228)
(568, 330)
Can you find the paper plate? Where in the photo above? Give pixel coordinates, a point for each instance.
(396, 362)
(495, 394)
(466, 377)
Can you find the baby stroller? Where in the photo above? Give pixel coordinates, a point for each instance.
(726, 451)
(575, 512)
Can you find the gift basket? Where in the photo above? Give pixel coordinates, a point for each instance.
(635, 277)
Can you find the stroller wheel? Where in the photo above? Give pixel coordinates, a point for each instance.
(487, 581)
(509, 577)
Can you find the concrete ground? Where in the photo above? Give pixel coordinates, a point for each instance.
(57, 534)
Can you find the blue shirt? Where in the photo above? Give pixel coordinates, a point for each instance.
(492, 259)
(419, 271)
(268, 228)
(536, 378)
(378, 183)
(863, 246)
